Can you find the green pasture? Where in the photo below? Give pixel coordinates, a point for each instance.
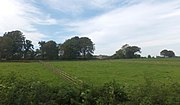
(97, 72)
(32, 70)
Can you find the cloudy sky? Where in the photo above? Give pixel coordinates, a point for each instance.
(153, 25)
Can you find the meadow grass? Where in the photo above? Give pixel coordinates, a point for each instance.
(32, 70)
(130, 72)
(137, 82)
(97, 72)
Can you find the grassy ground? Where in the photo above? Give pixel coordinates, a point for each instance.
(33, 70)
(130, 72)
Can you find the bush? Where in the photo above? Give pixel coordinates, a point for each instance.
(155, 93)
(18, 91)
(14, 91)
(109, 94)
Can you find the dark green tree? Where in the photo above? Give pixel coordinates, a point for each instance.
(87, 47)
(49, 50)
(77, 48)
(28, 50)
(149, 56)
(127, 52)
(167, 53)
(119, 54)
(42, 49)
(13, 45)
(71, 48)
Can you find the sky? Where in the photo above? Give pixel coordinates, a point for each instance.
(153, 25)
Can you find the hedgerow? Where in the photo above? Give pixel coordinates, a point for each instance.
(19, 91)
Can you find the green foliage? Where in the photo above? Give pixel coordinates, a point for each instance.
(110, 93)
(29, 53)
(33, 92)
(15, 91)
(48, 50)
(127, 52)
(20, 91)
(86, 47)
(149, 56)
(155, 93)
(14, 46)
(77, 48)
(51, 50)
(166, 53)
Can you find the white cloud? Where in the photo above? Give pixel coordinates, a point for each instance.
(22, 15)
(146, 24)
(150, 24)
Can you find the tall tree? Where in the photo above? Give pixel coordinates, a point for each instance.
(28, 50)
(49, 50)
(71, 48)
(13, 44)
(42, 49)
(86, 47)
(77, 48)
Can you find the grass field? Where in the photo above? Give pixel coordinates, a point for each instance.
(129, 72)
(33, 70)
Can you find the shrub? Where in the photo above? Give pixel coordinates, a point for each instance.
(155, 93)
(18, 91)
(109, 94)
(14, 91)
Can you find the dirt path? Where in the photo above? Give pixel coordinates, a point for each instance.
(62, 74)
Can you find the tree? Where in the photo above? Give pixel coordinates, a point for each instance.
(127, 51)
(13, 45)
(49, 50)
(87, 47)
(42, 49)
(165, 53)
(28, 50)
(77, 48)
(119, 54)
(149, 56)
(71, 48)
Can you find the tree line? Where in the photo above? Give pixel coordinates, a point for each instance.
(15, 46)
(129, 52)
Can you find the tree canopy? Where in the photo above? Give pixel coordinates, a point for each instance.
(48, 50)
(14, 45)
(77, 48)
(127, 52)
(167, 53)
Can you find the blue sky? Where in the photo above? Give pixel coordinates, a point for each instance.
(153, 25)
